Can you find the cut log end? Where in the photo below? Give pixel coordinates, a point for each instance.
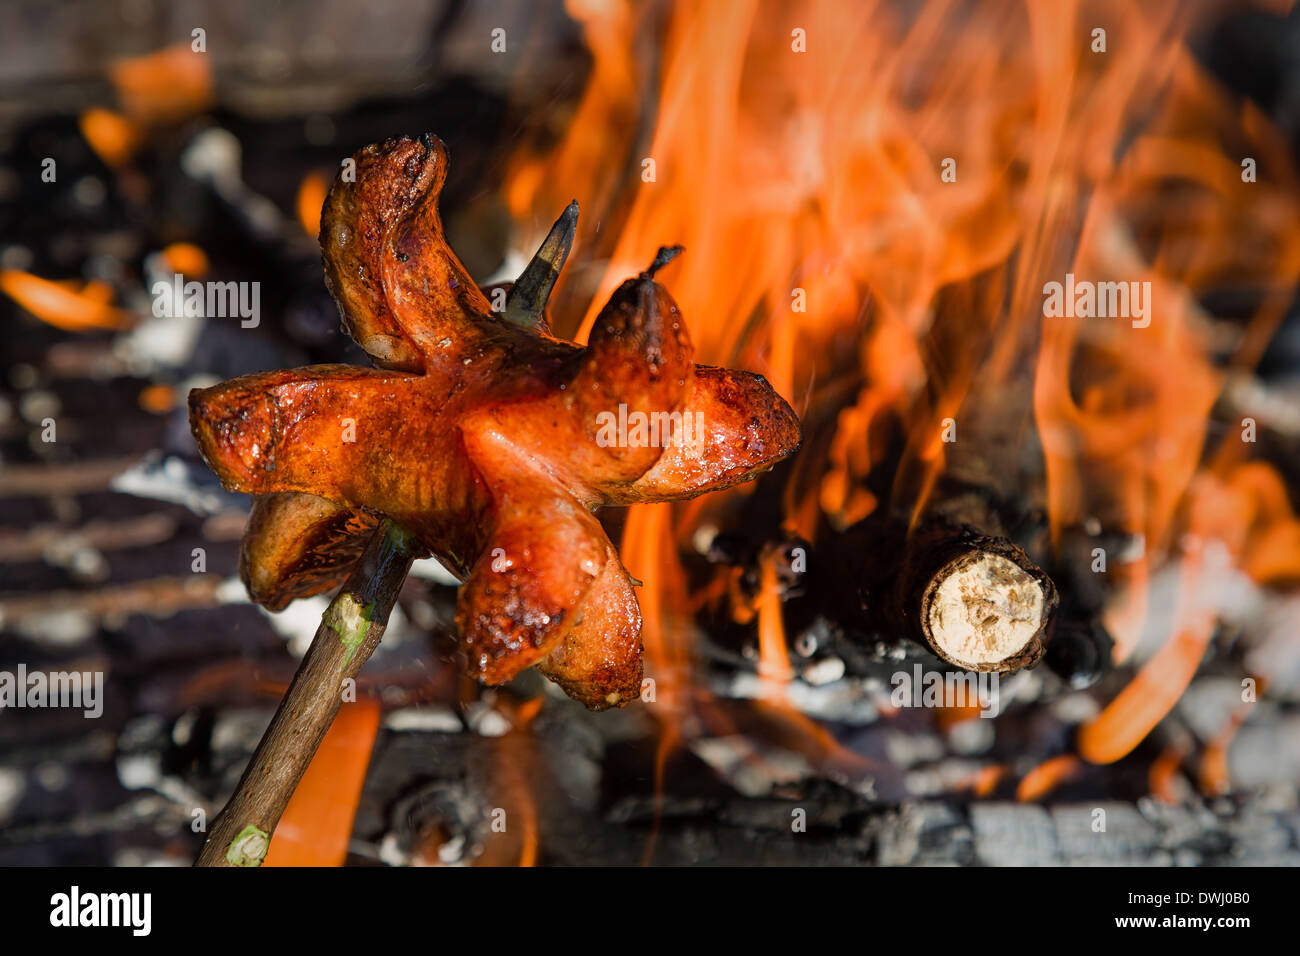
(983, 609)
(977, 601)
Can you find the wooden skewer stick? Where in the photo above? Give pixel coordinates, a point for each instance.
(349, 632)
(526, 301)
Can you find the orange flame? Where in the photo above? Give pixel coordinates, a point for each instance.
(515, 760)
(163, 86)
(873, 198)
(73, 306)
(311, 199)
(1248, 516)
(984, 781)
(1047, 776)
(317, 823)
(112, 136)
(187, 259)
(1162, 776)
(773, 655)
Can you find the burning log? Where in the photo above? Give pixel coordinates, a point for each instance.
(967, 589)
(975, 600)
(957, 584)
(1081, 649)
(964, 586)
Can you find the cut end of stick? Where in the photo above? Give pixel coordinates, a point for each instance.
(249, 847)
(983, 610)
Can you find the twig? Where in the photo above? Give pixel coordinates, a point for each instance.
(156, 597)
(24, 481)
(349, 632)
(103, 535)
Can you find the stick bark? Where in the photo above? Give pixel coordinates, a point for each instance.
(349, 632)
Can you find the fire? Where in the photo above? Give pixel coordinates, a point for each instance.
(311, 197)
(872, 201)
(646, 537)
(984, 781)
(1162, 775)
(317, 823)
(773, 655)
(187, 259)
(163, 86)
(515, 761)
(70, 305)
(1047, 776)
(1244, 522)
(113, 137)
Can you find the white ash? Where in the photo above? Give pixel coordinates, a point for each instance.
(1274, 650)
(844, 699)
(1265, 753)
(54, 630)
(1013, 835)
(1075, 708)
(174, 480)
(910, 749)
(1208, 705)
(943, 777)
(971, 736)
(1128, 835)
(1218, 587)
(12, 785)
(298, 622)
(486, 721)
(431, 569)
(166, 341)
(733, 757)
(825, 671)
(436, 720)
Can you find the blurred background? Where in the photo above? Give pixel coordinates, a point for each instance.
(871, 196)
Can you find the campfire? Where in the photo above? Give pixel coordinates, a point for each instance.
(888, 455)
